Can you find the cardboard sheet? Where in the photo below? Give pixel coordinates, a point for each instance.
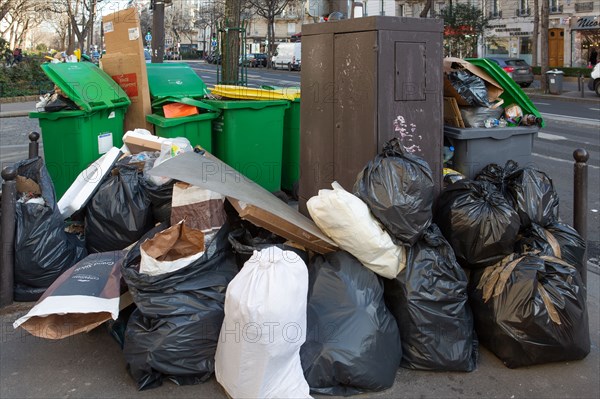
(125, 63)
(260, 206)
(453, 64)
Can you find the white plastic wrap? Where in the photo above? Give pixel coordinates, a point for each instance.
(258, 354)
(346, 219)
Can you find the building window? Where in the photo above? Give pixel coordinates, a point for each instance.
(554, 7)
(496, 13)
(400, 10)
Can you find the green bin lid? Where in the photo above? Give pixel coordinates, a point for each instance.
(513, 94)
(87, 85)
(174, 80)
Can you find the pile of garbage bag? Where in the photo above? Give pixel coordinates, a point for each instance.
(214, 294)
(526, 290)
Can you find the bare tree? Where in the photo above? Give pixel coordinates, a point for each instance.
(426, 9)
(81, 14)
(19, 16)
(269, 9)
(544, 43)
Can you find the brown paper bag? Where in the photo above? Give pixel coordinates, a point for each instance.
(171, 249)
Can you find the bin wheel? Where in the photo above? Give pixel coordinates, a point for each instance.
(281, 195)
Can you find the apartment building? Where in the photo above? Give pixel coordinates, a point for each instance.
(574, 25)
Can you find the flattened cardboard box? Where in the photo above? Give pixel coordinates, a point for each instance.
(122, 32)
(129, 71)
(493, 88)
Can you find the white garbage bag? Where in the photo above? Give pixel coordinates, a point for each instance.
(346, 219)
(258, 354)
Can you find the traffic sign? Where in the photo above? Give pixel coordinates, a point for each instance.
(148, 37)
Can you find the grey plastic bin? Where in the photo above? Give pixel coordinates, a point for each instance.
(555, 80)
(475, 148)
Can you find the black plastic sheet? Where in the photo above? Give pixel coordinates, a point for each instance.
(398, 188)
(119, 213)
(352, 343)
(478, 222)
(470, 87)
(174, 331)
(430, 303)
(42, 248)
(556, 239)
(531, 310)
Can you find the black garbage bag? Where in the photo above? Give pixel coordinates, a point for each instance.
(478, 222)
(119, 213)
(43, 250)
(25, 293)
(160, 199)
(430, 303)
(398, 188)
(531, 310)
(556, 239)
(530, 191)
(352, 342)
(249, 238)
(533, 196)
(174, 331)
(57, 102)
(497, 175)
(470, 87)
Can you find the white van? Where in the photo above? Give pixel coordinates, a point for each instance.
(287, 56)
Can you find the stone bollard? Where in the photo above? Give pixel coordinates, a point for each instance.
(580, 200)
(8, 225)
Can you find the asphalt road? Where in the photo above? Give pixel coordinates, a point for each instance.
(569, 126)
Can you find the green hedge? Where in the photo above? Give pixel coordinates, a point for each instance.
(575, 72)
(24, 79)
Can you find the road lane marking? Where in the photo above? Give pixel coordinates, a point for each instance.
(551, 137)
(536, 103)
(560, 160)
(595, 109)
(567, 118)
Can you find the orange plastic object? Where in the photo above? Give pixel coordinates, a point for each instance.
(177, 110)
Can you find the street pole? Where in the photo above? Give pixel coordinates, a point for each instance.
(158, 31)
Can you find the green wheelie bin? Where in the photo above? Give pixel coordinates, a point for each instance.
(73, 139)
(248, 136)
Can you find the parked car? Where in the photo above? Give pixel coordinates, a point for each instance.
(594, 82)
(518, 69)
(259, 60)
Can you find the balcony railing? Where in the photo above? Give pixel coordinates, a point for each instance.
(523, 12)
(556, 9)
(495, 14)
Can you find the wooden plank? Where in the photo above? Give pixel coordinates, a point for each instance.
(282, 227)
(207, 171)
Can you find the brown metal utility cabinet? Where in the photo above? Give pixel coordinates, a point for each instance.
(364, 81)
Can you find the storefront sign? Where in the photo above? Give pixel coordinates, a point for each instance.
(584, 23)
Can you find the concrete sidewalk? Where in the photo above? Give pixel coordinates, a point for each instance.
(92, 365)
